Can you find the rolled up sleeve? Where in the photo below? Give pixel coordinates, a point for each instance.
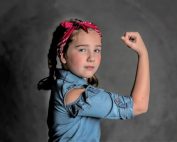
(96, 102)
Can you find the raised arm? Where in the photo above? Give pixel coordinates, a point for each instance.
(141, 89)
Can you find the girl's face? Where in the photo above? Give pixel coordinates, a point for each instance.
(84, 53)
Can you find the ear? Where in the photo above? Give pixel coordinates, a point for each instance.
(62, 58)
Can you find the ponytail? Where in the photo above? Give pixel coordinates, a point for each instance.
(93, 81)
(46, 83)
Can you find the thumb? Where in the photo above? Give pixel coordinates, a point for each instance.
(128, 42)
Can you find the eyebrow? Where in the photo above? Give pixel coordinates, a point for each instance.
(86, 45)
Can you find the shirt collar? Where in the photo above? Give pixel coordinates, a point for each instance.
(69, 76)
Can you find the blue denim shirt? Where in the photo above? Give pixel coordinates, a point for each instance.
(80, 120)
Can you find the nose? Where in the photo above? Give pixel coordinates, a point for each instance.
(91, 57)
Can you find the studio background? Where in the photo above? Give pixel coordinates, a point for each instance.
(26, 28)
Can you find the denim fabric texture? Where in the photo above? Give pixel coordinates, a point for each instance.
(79, 121)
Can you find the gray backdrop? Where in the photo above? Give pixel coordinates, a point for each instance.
(26, 28)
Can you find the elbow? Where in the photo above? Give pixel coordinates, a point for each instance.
(140, 109)
(144, 110)
(141, 105)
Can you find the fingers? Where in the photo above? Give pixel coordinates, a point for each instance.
(134, 41)
(130, 38)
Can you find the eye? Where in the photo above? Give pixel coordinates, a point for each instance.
(82, 50)
(97, 50)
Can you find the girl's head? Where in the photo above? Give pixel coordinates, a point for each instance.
(78, 45)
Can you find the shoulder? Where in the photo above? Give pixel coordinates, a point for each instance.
(73, 95)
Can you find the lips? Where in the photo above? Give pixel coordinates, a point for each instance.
(89, 67)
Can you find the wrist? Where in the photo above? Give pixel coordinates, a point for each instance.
(142, 52)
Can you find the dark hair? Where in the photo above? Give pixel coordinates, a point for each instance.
(46, 83)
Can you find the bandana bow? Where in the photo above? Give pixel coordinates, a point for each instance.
(71, 26)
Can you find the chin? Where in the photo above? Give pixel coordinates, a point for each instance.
(87, 75)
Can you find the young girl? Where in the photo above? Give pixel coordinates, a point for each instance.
(76, 104)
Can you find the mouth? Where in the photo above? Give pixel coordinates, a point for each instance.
(89, 67)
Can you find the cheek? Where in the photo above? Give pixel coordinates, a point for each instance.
(75, 60)
(99, 59)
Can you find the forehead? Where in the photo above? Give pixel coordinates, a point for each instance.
(81, 35)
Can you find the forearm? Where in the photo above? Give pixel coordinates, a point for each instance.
(141, 89)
